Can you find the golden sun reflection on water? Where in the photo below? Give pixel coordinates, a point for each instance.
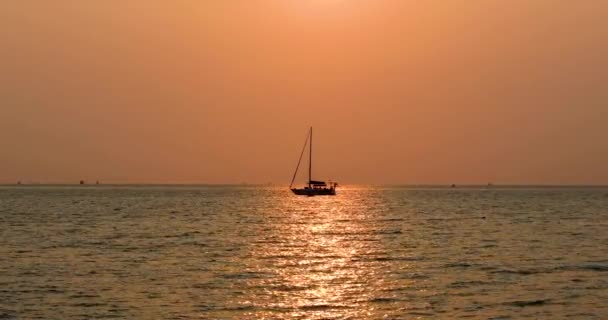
(321, 258)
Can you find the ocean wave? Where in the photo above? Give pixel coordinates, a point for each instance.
(247, 275)
(466, 284)
(322, 307)
(400, 259)
(586, 267)
(527, 303)
(523, 272)
(414, 276)
(531, 271)
(458, 265)
(384, 300)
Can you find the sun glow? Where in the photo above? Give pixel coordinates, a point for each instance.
(324, 8)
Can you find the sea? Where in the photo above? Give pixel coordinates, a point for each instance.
(260, 252)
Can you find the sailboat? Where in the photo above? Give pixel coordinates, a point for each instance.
(314, 187)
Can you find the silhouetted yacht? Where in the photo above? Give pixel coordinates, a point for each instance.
(314, 188)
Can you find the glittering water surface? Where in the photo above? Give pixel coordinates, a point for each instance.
(202, 252)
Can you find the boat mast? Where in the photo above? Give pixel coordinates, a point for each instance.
(299, 161)
(310, 160)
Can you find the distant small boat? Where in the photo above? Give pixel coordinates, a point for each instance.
(314, 188)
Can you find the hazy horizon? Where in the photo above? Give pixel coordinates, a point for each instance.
(277, 185)
(399, 92)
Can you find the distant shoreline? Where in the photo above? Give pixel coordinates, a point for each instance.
(433, 186)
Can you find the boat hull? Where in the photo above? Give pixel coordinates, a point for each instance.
(314, 192)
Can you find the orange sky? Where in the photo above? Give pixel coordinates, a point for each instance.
(223, 91)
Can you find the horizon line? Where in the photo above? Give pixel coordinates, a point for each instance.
(446, 185)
